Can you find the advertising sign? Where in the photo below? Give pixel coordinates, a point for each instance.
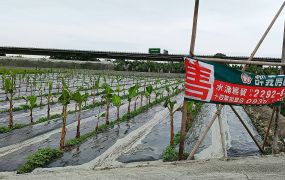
(218, 83)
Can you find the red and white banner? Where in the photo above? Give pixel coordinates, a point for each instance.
(217, 83)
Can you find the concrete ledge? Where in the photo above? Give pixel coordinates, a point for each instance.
(266, 167)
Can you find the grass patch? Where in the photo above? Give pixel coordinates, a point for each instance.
(170, 153)
(44, 119)
(39, 159)
(4, 129)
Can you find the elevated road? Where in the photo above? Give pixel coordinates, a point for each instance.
(116, 55)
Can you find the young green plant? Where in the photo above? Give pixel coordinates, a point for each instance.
(132, 92)
(108, 94)
(170, 105)
(78, 98)
(31, 104)
(64, 99)
(10, 90)
(49, 96)
(117, 101)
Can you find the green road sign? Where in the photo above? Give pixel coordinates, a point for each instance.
(154, 50)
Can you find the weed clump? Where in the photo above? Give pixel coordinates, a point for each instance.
(39, 159)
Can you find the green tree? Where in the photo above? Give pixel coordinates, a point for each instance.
(96, 87)
(108, 94)
(31, 104)
(132, 92)
(117, 101)
(157, 93)
(149, 90)
(64, 99)
(170, 105)
(78, 98)
(10, 92)
(49, 96)
(167, 90)
(100, 115)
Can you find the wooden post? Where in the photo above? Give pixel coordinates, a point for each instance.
(183, 130)
(194, 27)
(244, 125)
(264, 35)
(283, 53)
(202, 137)
(233, 61)
(184, 113)
(275, 147)
(269, 127)
(222, 134)
(266, 32)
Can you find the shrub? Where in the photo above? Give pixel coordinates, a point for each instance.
(170, 154)
(39, 159)
(4, 129)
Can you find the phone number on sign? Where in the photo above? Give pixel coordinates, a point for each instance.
(271, 94)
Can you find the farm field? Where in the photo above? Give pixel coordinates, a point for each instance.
(52, 118)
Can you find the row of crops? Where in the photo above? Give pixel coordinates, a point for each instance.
(72, 107)
(149, 66)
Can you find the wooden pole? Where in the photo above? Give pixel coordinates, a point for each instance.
(191, 156)
(183, 130)
(283, 53)
(264, 35)
(184, 113)
(194, 27)
(266, 32)
(275, 146)
(268, 128)
(222, 134)
(202, 137)
(229, 61)
(244, 125)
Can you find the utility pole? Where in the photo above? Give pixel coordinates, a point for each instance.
(184, 113)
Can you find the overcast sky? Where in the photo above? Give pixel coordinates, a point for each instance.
(232, 27)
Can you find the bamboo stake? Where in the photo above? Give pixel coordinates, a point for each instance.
(283, 53)
(222, 134)
(244, 125)
(229, 61)
(191, 156)
(266, 32)
(194, 27)
(275, 147)
(268, 128)
(183, 130)
(184, 114)
(202, 137)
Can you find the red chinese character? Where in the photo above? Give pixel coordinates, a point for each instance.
(197, 80)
